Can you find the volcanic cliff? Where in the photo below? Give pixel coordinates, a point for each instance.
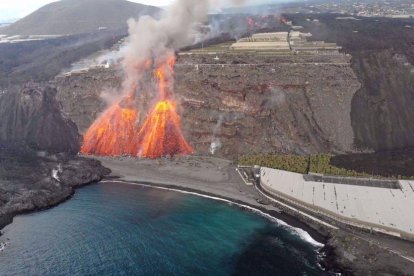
(38, 146)
(238, 104)
(32, 117)
(383, 59)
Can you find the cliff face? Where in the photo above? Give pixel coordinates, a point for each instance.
(279, 104)
(383, 58)
(383, 109)
(238, 104)
(80, 94)
(32, 117)
(31, 120)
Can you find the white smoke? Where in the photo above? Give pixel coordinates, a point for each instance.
(216, 143)
(56, 172)
(155, 40)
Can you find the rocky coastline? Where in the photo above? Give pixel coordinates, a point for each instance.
(32, 183)
(345, 251)
(39, 166)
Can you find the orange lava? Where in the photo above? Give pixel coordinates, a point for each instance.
(116, 131)
(111, 133)
(161, 133)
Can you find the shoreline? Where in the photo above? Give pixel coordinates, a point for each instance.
(218, 178)
(317, 239)
(343, 250)
(75, 173)
(242, 196)
(314, 246)
(8, 218)
(229, 185)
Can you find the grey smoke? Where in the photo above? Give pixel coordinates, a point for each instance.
(224, 25)
(216, 143)
(156, 39)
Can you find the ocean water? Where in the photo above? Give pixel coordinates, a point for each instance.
(120, 229)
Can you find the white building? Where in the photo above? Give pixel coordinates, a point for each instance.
(263, 42)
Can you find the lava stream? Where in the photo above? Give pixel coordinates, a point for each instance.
(116, 131)
(111, 134)
(161, 133)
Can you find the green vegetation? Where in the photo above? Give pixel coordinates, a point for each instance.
(293, 163)
(320, 164)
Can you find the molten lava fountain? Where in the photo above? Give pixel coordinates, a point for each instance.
(161, 133)
(116, 131)
(111, 133)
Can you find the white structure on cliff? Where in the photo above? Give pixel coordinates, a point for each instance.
(285, 42)
(263, 41)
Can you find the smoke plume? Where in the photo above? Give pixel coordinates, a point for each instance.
(154, 40)
(150, 49)
(216, 143)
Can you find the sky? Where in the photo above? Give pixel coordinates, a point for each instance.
(15, 9)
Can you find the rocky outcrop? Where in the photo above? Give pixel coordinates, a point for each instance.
(38, 166)
(29, 183)
(32, 118)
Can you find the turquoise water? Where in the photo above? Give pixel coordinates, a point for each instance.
(119, 229)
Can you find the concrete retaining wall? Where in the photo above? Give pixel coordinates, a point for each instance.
(379, 209)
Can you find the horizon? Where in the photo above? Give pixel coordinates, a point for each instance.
(10, 11)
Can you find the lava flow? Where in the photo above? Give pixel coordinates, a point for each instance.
(111, 134)
(116, 131)
(161, 134)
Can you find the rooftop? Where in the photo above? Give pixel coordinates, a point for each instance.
(383, 207)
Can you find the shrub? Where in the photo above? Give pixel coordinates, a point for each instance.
(319, 163)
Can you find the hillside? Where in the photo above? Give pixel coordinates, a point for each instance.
(236, 104)
(383, 59)
(42, 60)
(68, 17)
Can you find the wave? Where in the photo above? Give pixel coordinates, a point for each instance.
(302, 234)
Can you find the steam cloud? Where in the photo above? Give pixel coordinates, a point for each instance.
(216, 143)
(155, 40)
